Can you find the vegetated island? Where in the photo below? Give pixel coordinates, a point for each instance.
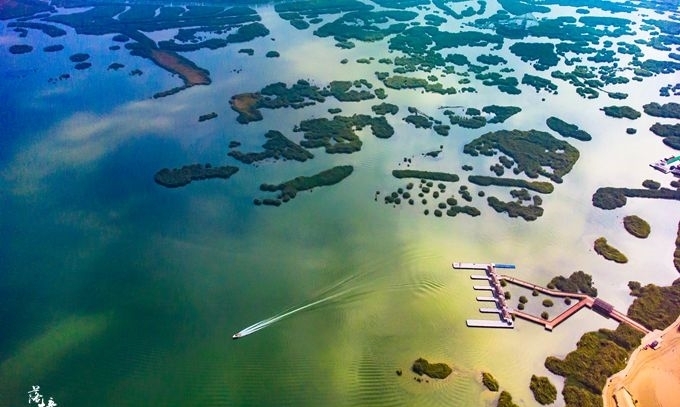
(578, 281)
(505, 400)
(434, 370)
(301, 94)
(544, 391)
(621, 111)
(670, 110)
(179, 177)
(190, 73)
(636, 226)
(430, 175)
(207, 116)
(609, 252)
(338, 135)
(472, 118)
(277, 146)
(670, 133)
(538, 186)
(533, 152)
(19, 49)
(606, 351)
(567, 129)
(612, 198)
(443, 203)
(489, 381)
(515, 208)
(289, 189)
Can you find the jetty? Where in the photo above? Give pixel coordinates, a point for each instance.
(498, 296)
(666, 165)
(507, 314)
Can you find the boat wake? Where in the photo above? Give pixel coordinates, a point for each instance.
(326, 296)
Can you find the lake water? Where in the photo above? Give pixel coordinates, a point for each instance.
(115, 291)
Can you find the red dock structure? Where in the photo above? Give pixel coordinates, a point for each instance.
(507, 314)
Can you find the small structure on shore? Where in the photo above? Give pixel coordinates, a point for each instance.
(508, 314)
(666, 165)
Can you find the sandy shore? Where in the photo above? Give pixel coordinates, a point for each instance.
(652, 377)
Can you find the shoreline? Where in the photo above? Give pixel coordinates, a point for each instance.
(651, 376)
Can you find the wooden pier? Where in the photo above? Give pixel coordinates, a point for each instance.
(508, 314)
(584, 301)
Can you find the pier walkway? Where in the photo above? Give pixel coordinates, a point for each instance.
(507, 314)
(585, 301)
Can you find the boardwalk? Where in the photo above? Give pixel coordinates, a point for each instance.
(507, 314)
(585, 301)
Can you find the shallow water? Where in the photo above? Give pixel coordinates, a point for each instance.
(120, 292)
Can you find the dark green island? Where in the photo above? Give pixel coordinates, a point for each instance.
(636, 226)
(289, 189)
(434, 370)
(179, 177)
(609, 252)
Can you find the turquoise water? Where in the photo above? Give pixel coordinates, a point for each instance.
(119, 292)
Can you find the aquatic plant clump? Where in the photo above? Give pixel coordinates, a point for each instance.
(609, 252)
(434, 370)
(289, 189)
(430, 175)
(179, 177)
(505, 400)
(621, 111)
(577, 282)
(544, 391)
(636, 226)
(489, 381)
(533, 151)
(567, 129)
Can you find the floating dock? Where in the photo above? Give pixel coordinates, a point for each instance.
(485, 323)
(508, 314)
(471, 266)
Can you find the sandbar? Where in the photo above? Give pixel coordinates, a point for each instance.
(652, 376)
(179, 65)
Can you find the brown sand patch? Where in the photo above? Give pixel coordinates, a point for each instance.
(246, 105)
(191, 74)
(652, 377)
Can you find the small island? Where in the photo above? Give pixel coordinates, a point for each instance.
(277, 146)
(567, 129)
(515, 209)
(179, 177)
(669, 110)
(544, 391)
(538, 186)
(489, 381)
(609, 252)
(289, 189)
(636, 226)
(611, 198)
(207, 116)
(433, 370)
(621, 111)
(533, 151)
(505, 400)
(434, 176)
(577, 282)
(19, 49)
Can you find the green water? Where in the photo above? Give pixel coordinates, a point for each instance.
(118, 292)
